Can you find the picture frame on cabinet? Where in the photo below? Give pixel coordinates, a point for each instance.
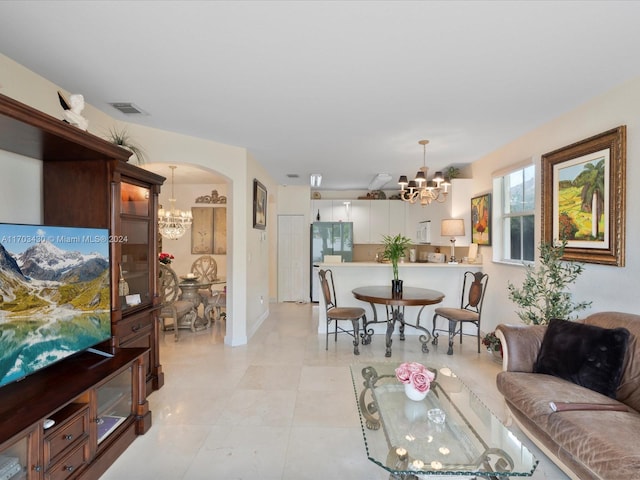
(583, 198)
(481, 219)
(259, 205)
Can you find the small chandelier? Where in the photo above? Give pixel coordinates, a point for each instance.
(173, 223)
(422, 190)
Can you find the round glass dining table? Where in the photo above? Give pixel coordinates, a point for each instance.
(395, 305)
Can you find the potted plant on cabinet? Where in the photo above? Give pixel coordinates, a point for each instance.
(543, 294)
(394, 248)
(122, 139)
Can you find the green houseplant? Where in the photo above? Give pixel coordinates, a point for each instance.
(122, 139)
(394, 249)
(543, 294)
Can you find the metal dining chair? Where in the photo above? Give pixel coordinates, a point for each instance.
(172, 307)
(338, 314)
(470, 311)
(206, 268)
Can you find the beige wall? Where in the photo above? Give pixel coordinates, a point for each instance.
(610, 288)
(161, 147)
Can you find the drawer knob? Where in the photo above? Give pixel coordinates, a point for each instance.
(37, 468)
(136, 328)
(69, 468)
(68, 437)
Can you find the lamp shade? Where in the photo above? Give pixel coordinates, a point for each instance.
(452, 227)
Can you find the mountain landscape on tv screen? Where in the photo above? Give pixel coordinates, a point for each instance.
(53, 303)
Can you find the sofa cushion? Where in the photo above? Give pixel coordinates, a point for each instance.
(531, 393)
(604, 441)
(528, 396)
(586, 355)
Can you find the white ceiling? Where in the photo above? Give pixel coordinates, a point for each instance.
(342, 88)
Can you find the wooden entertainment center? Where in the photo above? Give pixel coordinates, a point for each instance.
(73, 419)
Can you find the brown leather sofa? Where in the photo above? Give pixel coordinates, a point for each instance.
(586, 443)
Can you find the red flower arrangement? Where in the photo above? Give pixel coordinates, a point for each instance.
(165, 258)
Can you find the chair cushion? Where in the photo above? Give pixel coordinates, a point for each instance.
(345, 313)
(457, 314)
(586, 355)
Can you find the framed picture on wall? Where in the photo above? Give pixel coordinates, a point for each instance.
(481, 219)
(209, 230)
(259, 205)
(583, 198)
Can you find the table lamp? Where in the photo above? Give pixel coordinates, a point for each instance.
(452, 227)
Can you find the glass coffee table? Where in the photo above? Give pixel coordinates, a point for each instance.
(449, 433)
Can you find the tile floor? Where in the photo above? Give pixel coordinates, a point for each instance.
(281, 407)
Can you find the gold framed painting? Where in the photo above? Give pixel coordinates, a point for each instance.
(583, 198)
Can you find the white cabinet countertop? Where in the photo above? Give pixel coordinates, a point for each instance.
(400, 265)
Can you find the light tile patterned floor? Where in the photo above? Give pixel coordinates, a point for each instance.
(279, 408)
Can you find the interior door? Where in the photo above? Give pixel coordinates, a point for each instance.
(293, 284)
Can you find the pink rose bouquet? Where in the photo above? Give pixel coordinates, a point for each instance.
(415, 374)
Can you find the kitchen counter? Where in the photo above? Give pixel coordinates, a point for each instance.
(401, 265)
(444, 277)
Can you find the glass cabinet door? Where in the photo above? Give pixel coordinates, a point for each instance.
(114, 403)
(18, 460)
(134, 200)
(133, 285)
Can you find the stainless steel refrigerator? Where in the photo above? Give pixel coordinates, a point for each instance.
(329, 238)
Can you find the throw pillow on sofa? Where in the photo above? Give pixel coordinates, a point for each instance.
(586, 355)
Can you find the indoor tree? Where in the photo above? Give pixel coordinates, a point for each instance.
(544, 294)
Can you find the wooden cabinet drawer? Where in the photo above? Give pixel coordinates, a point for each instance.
(72, 426)
(70, 464)
(133, 326)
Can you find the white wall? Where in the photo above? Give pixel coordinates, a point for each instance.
(260, 245)
(610, 288)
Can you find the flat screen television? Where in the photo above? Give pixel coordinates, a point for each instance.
(55, 295)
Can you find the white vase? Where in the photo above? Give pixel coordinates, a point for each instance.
(413, 394)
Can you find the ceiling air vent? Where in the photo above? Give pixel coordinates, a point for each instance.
(293, 175)
(128, 108)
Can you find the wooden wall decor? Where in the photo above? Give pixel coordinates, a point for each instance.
(209, 231)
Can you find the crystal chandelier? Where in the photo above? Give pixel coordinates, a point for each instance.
(173, 223)
(422, 190)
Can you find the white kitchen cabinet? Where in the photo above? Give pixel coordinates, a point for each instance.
(397, 220)
(457, 205)
(379, 220)
(416, 213)
(341, 210)
(324, 207)
(360, 216)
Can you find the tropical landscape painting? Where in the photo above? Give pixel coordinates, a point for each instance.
(581, 210)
